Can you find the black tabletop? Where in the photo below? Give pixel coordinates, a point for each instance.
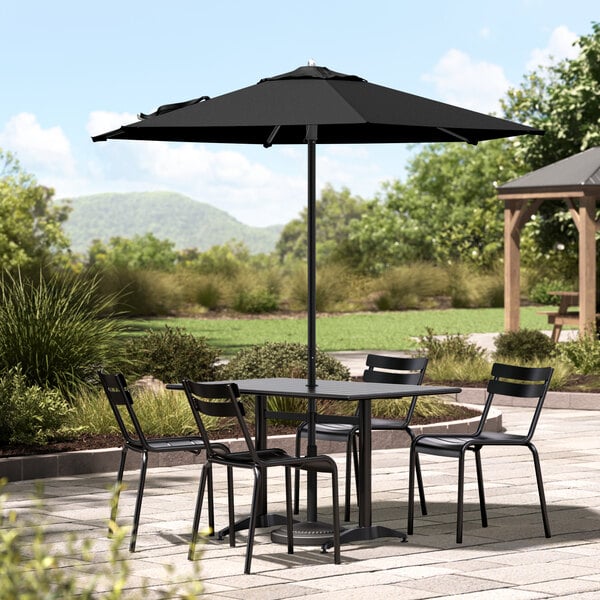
(337, 390)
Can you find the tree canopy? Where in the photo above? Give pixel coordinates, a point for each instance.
(335, 211)
(448, 208)
(30, 224)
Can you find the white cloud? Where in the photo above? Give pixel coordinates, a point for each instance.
(101, 121)
(560, 46)
(461, 80)
(38, 149)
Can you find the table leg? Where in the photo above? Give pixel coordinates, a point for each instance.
(365, 530)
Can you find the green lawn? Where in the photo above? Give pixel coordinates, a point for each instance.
(364, 331)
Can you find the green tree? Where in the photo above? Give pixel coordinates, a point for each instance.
(30, 224)
(335, 211)
(446, 211)
(141, 252)
(561, 99)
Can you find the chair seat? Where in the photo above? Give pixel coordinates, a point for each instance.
(193, 444)
(452, 445)
(329, 431)
(388, 424)
(276, 457)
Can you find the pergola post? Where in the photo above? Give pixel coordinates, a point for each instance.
(512, 265)
(587, 264)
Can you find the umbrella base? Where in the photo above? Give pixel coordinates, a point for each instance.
(307, 533)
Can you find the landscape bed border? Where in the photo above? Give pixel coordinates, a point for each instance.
(67, 464)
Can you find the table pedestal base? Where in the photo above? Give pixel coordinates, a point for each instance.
(363, 534)
(307, 533)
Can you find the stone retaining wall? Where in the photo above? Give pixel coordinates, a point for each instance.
(20, 468)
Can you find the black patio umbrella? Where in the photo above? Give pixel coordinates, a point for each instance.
(313, 105)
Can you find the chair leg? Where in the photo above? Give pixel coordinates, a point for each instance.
(482, 508)
(420, 485)
(206, 473)
(411, 489)
(540, 484)
(138, 502)
(211, 503)
(297, 477)
(356, 466)
(252, 523)
(350, 454)
(231, 507)
(460, 499)
(336, 520)
(118, 487)
(288, 510)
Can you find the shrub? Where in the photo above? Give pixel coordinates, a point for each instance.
(539, 292)
(474, 289)
(208, 291)
(57, 330)
(282, 359)
(255, 301)
(172, 355)
(456, 347)
(28, 414)
(408, 287)
(333, 287)
(524, 345)
(583, 353)
(142, 292)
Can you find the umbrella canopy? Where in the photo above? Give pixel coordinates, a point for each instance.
(315, 105)
(347, 110)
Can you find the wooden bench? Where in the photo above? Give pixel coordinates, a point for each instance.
(562, 316)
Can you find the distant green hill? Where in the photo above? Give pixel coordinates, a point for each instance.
(167, 215)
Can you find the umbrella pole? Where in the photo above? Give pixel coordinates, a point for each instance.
(312, 256)
(311, 449)
(311, 531)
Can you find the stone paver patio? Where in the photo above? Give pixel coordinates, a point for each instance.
(510, 559)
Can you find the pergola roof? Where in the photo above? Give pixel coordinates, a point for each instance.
(575, 173)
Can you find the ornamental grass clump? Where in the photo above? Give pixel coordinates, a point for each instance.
(58, 330)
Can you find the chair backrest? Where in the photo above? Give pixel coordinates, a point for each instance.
(217, 400)
(398, 369)
(120, 399)
(518, 382)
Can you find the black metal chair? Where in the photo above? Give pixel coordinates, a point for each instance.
(121, 402)
(398, 370)
(221, 400)
(507, 380)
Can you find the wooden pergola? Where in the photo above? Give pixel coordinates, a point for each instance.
(576, 180)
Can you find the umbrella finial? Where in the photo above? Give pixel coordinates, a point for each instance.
(312, 62)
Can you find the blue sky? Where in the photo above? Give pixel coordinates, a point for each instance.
(72, 69)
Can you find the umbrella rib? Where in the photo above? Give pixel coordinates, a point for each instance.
(457, 136)
(271, 137)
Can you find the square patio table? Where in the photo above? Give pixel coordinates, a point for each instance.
(311, 532)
